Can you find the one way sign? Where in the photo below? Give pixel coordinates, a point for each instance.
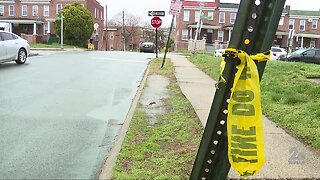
(156, 13)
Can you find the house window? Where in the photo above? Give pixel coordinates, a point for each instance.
(222, 17)
(111, 47)
(58, 8)
(2, 9)
(82, 5)
(312, 44)
(291, 23)
(197, 16)
(35, 10)
(210, 15)
(101, 15)
(186, 15)
(184, 34)
(95, 13)
(314, 23)
(11, 10)
(45, 29)
(24, 10)
(302, 26)
(46, 10)
(220, 36)
(233, 18)
(281, 21)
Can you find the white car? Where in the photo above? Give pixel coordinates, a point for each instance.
(219, 52)
(276, 52)
(13, 48)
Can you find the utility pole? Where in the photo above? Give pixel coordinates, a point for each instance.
(123, 38)
(61, 31)
(198, 27)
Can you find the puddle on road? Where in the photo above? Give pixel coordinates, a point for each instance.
(153, 96)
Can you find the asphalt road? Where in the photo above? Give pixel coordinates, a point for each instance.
(60, 112)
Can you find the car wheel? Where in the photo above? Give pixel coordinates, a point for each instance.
(22, 56)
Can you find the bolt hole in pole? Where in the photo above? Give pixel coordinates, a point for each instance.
(250, 29)
(254, 15)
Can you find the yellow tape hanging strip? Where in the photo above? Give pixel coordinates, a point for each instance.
(245, 126)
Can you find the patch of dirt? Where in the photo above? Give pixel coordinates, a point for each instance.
(127, 163)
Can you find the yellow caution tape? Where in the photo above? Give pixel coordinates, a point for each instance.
(245, 126)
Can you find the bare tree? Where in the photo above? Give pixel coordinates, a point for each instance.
(131, 27)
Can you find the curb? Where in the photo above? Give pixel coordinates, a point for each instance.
(106, 171)
(57, 49)
(33, 54)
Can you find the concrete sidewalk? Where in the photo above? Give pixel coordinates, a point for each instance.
(281, 149)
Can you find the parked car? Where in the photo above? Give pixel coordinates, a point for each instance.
(219, 52)
(148, 47)
(276, 52)
(13, 48)
(310, 55)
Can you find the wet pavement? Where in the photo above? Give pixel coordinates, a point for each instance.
(60, 112)
(152, 99)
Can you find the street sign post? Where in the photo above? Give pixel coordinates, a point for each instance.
(212, 161)
(156, 13)
(156, 23)
(175, 9)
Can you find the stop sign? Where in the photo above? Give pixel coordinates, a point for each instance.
(156, 22)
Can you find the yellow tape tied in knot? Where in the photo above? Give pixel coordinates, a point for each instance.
(244, 121)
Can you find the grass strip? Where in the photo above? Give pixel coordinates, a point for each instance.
(166, 150)
(288, 98)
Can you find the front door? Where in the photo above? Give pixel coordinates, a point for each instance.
(209, 38)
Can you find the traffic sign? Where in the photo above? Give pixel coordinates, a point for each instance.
(156, 22)
(156, 13)
(175, 7)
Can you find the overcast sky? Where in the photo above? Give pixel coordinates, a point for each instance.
(140, 8)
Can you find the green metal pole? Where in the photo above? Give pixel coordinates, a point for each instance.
(166, 50)
(256, 21)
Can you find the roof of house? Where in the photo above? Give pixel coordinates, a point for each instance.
(304, 13)
(21, 20)
(229, 5)
(196, 4)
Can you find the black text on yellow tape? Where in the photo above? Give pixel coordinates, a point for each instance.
(245, 126)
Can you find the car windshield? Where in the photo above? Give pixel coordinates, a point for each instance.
(299, 51)
(147, 43)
